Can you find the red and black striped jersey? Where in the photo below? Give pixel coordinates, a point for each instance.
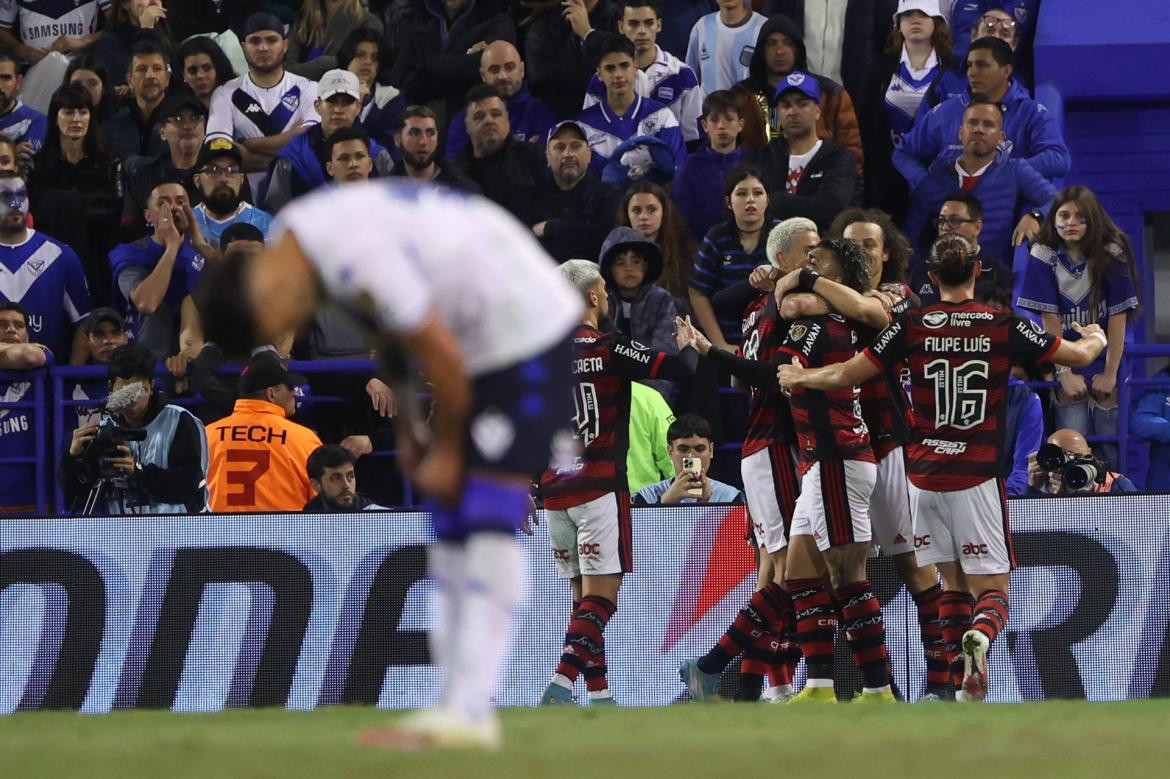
(828, 425)
(959, 355)
(769, 420)
(603, 365)
(884, 404)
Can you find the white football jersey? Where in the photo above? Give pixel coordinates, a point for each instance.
(398, 250)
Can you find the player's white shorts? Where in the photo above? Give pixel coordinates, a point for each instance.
(833, 506)
(770, 484)
(593, 538)
(889, 507)
(970, 526)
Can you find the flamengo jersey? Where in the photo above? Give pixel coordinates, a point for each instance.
(603, 364)
(45, 277)
(883, 398)
(828, 424)
(959, 355)
(769, 420)
(43, 21)
(394, 251)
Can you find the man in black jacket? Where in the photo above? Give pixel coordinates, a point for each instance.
(507, 170)
(573, 208)
(560, 49)
(439, 60)
(417, 141)
(805, 175)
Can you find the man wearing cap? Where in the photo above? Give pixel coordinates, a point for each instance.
(156, 273)
(134, 130)
(806, 175)
(220, 178)
(259, 457)
(105, 331)
(573, 208)
(300, 165)
(780, 50)
(505, 169)
(266, 107)
(531, 118)
(183, 128)
(417, 139)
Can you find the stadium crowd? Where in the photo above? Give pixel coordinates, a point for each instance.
(693, 150)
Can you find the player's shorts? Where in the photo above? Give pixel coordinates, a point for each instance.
(889, 506)
(970, 526)
(517, 411)
(770, 484)
(833, 506)
(593, 538)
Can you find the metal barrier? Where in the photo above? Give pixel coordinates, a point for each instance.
(59, 377)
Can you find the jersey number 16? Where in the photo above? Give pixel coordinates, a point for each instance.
(956, 403)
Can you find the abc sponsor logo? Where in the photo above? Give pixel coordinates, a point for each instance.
(589, 550)
(975, 550)
(921, 541)
(560, 554)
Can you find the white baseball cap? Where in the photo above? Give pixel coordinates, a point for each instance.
(928, 7)
(338, 82)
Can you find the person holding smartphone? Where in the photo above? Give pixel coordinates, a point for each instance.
(688, 440)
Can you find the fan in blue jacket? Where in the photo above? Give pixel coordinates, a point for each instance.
(1010, 191)
(698, 187)
(1031, 132)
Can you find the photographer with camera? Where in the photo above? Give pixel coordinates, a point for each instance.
(144, 455)
(1066, 466)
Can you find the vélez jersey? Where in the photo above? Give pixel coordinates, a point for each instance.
(45, 276)
(23, 124)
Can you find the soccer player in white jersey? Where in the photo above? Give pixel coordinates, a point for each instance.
(488, 316)
(266, 107)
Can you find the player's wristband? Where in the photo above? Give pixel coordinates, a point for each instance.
(808, 279)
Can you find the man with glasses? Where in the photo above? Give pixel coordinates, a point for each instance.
(1012, 21)
(220, 177)
(183, 128)
(962, 214)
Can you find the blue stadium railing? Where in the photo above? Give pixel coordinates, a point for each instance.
(50, 413)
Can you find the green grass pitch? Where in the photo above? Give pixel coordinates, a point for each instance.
(1054, 739)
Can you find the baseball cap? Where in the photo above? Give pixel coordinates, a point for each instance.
(570, 124)
(338, 82)
(928, 7)
(265, 370)
(103, 314)
(240, 231)
(801, 82)
(177, 102)
(263, 21)
(218, 147)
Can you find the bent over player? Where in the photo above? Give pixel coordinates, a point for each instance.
(959, 354)
(587, 501)
(488, 317)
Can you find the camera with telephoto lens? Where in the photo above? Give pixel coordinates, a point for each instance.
(1077, 471)
(104, 446)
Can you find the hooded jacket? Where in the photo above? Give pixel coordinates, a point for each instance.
(433, 63)
(838, 122)
(649, 317)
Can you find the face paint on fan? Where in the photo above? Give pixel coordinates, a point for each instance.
(13, 197)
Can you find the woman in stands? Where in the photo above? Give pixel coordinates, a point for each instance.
(1082, 271)
(731, 251)
(204, 67)
(648, 209)
(318, 32)
(72, 174)
(91, 73)
(919, 59)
